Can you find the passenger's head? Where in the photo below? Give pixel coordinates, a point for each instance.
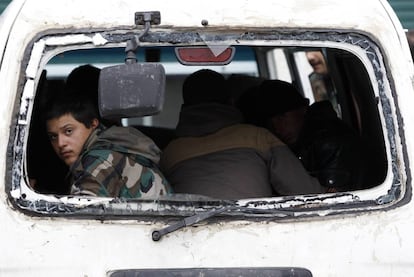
(317, 61)
(69, 122)
(282, 108)
(205, 86)
(239, 84)
(85, 79)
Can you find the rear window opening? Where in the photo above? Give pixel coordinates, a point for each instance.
(349, 86)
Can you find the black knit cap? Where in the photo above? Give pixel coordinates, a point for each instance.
(205, 86)
(277, 97)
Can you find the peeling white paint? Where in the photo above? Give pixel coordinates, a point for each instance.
(27, 96)
(98, 40)
(35, 57)
(68, 40)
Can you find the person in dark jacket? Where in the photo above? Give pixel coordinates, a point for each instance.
(216, 155)
(327, 147)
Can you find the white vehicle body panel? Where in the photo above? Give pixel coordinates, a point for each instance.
(372, 243)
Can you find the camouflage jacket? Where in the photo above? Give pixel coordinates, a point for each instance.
(119, 162)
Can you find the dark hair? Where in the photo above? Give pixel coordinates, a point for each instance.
(81, 107)
(85, 78)
(205, 86)
(271, 98)
(278, 97)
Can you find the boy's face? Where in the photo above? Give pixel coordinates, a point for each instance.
(68, 136)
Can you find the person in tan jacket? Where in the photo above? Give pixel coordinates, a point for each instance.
(216, 155)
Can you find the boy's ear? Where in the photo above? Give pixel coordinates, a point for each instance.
(94, 123)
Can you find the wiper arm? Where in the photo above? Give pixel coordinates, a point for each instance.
(191, 220)
(188, 221)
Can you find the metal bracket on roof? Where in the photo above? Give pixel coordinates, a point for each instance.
(141, 18)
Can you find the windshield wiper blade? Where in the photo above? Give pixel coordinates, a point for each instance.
(188, 221)
(191, 220)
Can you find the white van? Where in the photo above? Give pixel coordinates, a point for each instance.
(367, 231)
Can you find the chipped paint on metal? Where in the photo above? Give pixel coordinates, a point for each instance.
(35, 57)
(97, 39)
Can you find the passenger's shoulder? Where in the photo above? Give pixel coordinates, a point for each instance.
(263, 137)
